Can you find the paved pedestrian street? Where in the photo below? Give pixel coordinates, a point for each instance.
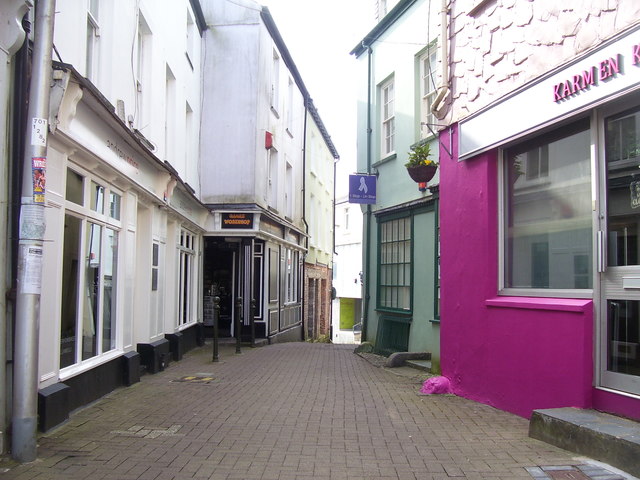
(285, 412)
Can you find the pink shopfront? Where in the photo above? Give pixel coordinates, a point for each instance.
(540, 241)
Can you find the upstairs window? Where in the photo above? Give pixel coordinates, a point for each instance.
(275, 82)
(388, 127)
(428, 82)
(93, 34)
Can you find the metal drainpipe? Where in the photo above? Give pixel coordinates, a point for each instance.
(365, 265)
(32, 228)
(304, 218)
(19, 107)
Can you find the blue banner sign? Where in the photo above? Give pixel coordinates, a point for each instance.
(362, 189)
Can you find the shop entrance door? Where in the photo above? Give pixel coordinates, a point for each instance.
(619, 245)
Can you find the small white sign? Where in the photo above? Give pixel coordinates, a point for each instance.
(32, 274)
(39, 132)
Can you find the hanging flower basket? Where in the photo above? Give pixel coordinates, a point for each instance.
(422, 173)
(420, 167)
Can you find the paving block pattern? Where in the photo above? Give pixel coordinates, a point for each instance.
(284, 412)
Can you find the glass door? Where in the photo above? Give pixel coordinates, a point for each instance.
(619, 326)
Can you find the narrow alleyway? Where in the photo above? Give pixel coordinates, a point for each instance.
(285, 412)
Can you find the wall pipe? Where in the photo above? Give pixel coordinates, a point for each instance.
(32, 228)
(438, 103)
(367, 252)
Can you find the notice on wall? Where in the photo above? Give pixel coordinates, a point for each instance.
(32, 221)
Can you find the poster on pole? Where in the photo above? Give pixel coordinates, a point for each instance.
(39, 169)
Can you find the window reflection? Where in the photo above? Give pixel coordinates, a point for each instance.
(548, 224)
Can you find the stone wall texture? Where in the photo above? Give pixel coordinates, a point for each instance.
(497, 46)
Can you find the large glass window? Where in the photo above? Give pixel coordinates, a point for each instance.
(395, 264)
(548, 211)
(88, 326)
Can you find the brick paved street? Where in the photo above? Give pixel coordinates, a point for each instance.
(284, 412)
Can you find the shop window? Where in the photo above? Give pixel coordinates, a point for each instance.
(186, 305)
(88, 323)
(395, 276)
(291, 277)
(548, 212)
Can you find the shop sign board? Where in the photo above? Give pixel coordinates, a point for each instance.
(362, 189)
(609, 71)
(237, 221)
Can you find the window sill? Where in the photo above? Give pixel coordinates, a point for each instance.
(391, 311)
(275, 112)
(435, 321)
(536, 303)
(386, 159)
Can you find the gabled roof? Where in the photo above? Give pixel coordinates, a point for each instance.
(288, 60)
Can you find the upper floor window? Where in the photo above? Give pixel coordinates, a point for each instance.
(290, 109)
(143, 70)
(191, 39)
(428, 82)
(93, 34)
(275, 82)
(388, 127)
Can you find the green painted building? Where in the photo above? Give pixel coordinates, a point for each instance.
(399, 70)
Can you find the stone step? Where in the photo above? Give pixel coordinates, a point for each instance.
(607, 438)
(424, 365)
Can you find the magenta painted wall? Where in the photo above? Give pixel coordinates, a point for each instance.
(517, 355)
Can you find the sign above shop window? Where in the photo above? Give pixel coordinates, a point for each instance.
(237, 220)
(611, 70)
(362, 189)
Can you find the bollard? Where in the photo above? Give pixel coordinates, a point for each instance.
(216, 320)
(238, 323)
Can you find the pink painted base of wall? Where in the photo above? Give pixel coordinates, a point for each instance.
(515, 353)
(617, 404)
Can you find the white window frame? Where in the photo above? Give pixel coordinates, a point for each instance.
(428, 88)
(187, 246)
(275, 84)
(105, 219)
(387, 118)
(191, 35)
(92, 57)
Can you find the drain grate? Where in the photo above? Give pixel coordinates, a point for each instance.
(197, 378)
